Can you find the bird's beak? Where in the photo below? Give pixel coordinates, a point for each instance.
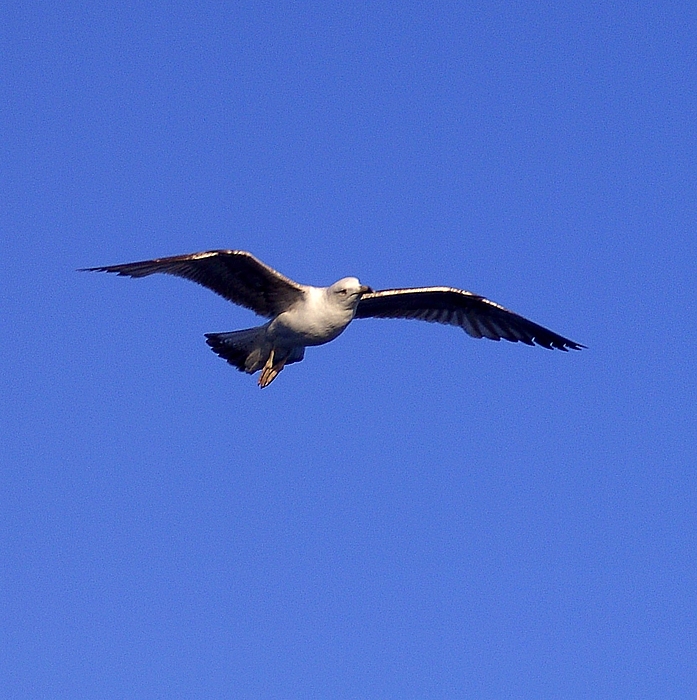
(365, 290)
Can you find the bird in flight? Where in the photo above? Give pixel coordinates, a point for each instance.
(300, 315)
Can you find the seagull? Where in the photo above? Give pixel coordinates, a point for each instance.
(301, 315)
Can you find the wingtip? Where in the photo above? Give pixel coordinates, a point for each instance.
(563, 344)
(113, 269)
(94, 269)
(571, 346)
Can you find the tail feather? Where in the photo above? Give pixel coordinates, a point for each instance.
(248, 350)
(242, 349)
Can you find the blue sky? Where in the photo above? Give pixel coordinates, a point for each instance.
(408, 513)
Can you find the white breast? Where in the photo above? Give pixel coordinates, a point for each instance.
(313, 322)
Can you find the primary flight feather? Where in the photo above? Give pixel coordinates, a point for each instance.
(301, 315)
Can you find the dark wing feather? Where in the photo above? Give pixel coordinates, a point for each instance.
(234, 274)
(478, 316)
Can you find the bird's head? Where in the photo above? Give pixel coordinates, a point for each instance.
(348, 291)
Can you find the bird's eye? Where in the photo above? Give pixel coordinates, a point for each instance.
(343, 291)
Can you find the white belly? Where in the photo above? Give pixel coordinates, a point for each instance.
(313, 323)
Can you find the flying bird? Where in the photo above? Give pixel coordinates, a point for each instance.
(301, 315)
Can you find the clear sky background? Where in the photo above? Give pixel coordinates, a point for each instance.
(408, 513)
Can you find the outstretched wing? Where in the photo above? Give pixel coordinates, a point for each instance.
(234, 274)
(478, 316)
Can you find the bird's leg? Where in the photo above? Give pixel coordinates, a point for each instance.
(270, 370)
(264, 379)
